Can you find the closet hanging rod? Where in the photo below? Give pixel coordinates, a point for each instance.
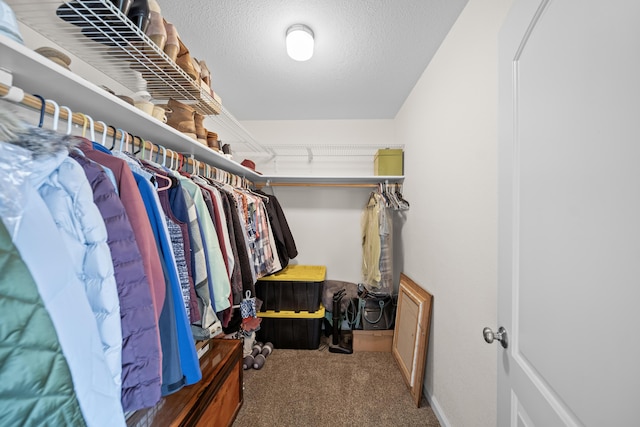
(316, 184)
(35, 103)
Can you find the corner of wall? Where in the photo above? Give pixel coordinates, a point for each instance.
(437, 409)
(448, 126)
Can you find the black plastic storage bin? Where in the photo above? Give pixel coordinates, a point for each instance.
(288, 329)
(296, 288)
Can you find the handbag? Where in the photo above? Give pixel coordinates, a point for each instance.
(377, 311)
(371, 310)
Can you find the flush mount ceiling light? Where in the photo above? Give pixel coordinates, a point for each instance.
(300, 42)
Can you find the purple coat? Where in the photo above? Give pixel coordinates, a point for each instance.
(140, 337)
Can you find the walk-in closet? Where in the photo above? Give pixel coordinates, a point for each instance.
(285, 213)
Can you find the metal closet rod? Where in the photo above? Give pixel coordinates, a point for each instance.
(315, 184)
(35, 103)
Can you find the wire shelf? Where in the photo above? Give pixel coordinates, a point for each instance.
(313, 151)
(100, 34)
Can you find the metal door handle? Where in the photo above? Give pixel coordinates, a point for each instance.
(501, 336)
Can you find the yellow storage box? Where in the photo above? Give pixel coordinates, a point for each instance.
(296, 288)
(298, 273)
(389, 162)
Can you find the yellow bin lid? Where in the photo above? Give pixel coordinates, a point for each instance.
(298, 273)
(318, 314)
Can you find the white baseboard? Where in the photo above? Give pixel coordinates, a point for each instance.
(437, 409)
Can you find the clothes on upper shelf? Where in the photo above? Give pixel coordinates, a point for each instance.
(130, 263)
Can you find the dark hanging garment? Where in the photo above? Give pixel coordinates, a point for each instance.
(243, 255)
(179, 236)
(236, 274)
(285, 243)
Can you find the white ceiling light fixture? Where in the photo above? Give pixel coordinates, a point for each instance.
(299, 42)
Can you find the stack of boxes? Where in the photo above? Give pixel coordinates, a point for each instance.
(292, 311)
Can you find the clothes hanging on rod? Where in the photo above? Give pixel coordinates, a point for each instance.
(141, 339)
(377, 236)
(45, 251)
(179, 250)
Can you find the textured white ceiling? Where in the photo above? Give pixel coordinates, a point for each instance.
(368, 53)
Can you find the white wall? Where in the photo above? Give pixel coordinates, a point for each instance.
(449, 127)
(325, 221)
(448, 243)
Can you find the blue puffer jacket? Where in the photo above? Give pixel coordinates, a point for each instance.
(39, 240)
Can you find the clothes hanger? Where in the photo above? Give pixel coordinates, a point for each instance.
(164, 155)
(43, 107)
(195, 166)
(56, 114)
(168, 184)
(69, 118)
(84, 124)
(181, 163)
(104, 132)
(403, 203)
(158, 154)
(123, 136)
(152, 145)
(387, 197)
(113, 141)
(92, 132)
(170, 166)
(176, 165)
(124, 140)
(133, 144)
(160, 176)
(144, 147)
(168, 181)
(92, 128)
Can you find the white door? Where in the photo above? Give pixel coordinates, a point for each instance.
(569, 214)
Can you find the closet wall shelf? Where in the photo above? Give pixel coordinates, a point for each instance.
(38, 75)
(97, 32)
(127, 57)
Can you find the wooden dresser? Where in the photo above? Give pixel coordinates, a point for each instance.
(213, 401)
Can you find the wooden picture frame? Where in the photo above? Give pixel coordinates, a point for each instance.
(411, 334)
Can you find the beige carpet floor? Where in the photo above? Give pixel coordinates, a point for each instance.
(319, 388)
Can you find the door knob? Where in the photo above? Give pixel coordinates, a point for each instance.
(500, 336)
